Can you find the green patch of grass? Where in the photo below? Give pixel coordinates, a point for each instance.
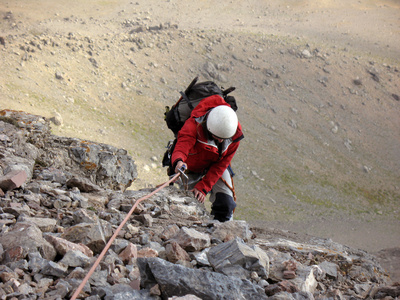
(39, 99)
(245, 212)
(324, 181)
(321, 202)
(379, 196)
(315, 201)
(373, 196)
(290, 178)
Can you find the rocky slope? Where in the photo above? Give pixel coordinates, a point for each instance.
(63, 198)
(317, 87)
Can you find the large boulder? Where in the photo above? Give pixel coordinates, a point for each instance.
(177, 280)
(32, 143)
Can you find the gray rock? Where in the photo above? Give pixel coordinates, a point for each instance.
(56, 119)
(192, 240)
(176, 280)
(62, 201)
(44, 224)
(83, 184)
(93, 235)
(95, 297)
(306, 54)
(229, 230)
(59, 75)
(36, 262)
(75, 258)
(292, 296)
(99, 279)
(62, 288)
(330, 269)
(107, 166)
(134, 295)
(53, 174)
(13, 163)
(119, 245)
(16, 239)
(18, 209)
(146, 219)
(236, 253)
(305, 280)
(62, 246)
(76, 196)
(84, 216)
(201, 257)
(363, 289)
(186, 297)
(26, 289)
(54, 269)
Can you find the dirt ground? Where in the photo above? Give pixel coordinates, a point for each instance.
(359, 35)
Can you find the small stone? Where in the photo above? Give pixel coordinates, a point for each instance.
(59, 75)
(147, 252)
(306, 54)
(155, 290)
(128, 253)
(174, 253)
(56, 119)
(12, 180)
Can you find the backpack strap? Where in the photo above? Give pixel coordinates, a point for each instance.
(185, 97)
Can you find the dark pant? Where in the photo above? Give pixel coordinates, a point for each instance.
(223, 207)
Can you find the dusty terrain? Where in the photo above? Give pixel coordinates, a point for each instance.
(317, 86)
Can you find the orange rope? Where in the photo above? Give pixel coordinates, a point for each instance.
(96, 263)
(232, 188)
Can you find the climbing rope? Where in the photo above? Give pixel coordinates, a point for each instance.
(96, 263)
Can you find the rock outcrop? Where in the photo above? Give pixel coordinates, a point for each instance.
(28, 143)
(62, 199)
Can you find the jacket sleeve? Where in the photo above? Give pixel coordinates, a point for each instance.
(186, 140)
(216, 170)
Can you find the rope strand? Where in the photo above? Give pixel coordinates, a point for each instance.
(96, 263)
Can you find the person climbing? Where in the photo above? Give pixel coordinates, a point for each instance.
(205, 147)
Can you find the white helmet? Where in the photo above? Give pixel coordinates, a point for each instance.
(222, 122)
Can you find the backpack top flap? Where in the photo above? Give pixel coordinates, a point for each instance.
(204, 90)
(193, 97)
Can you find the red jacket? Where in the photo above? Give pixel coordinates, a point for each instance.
(200, 154)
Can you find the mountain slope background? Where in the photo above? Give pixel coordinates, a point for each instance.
(317, 86)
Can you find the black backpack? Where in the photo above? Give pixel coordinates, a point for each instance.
(176, 116)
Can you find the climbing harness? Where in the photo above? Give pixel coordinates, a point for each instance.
(96, 263)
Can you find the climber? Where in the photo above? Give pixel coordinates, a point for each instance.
(205, 147)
